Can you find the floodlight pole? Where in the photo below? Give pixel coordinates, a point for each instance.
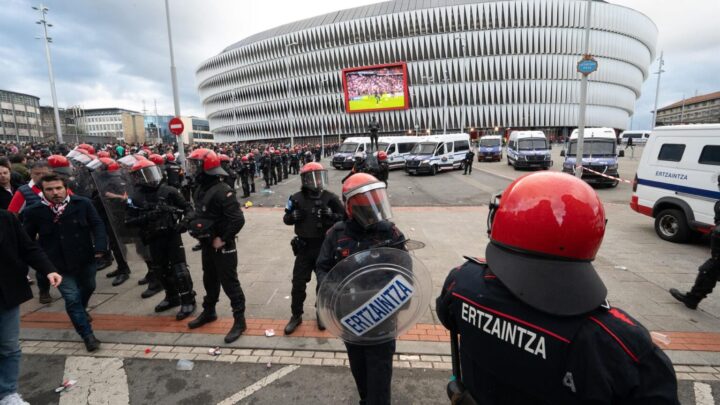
(176, 97)
(660, 71)
(583, 96)
(289, 93)
(43, 12)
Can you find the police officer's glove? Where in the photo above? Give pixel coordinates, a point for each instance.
(326, 212)
(297, 215)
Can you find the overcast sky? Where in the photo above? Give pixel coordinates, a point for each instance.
(114, 53)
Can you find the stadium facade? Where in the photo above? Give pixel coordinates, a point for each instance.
(506, 64)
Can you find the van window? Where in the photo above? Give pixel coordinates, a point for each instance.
(710, 155)
(671, 152)
(391, 149)
(440, 149)
(405, 147)
(461, 146)
(449, 147)
(361, 148)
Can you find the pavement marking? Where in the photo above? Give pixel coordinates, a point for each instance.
(99, 381)
(703, 394)
(271, 297)
(259, 385)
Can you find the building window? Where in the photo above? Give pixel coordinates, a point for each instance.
(671, 152)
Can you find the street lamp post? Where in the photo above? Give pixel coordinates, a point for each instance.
(445, 107)
(289, 92)
(43, 12)
(583, 96)
(176, 97)
(660, 71)
(430, 80)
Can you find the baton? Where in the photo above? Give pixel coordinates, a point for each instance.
(456, 392)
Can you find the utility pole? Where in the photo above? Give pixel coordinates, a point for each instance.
(445, 107)
(43, 12)
(176, 97)
(660, 71)
(462, 80)
(583, 95)
(289, 93)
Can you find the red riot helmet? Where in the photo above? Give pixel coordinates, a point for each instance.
(204, 161)
(244, 159)
(277, 151)
(251, 155)
(103, 154)
(146, 173)
(545, 230)
(60, 165)
(169, 157)
(86, 147)
(157, 159)
(224, 158)
(80, 157)
(381, 156)
(313, 176)
(104, 164)
(366, 200)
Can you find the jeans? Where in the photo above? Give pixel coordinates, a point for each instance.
(76, 290)
(9, 350)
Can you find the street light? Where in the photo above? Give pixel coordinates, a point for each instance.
(661, 63)
(288, 93)
(176, 97)
(430, 80)
(583, 96)
(43, 12)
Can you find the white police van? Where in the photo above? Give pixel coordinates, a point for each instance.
(638, 137)
(677, 180)
(398, 148)
(344, 158)
(437, 153)
(528, 149)
(490, 148)
(600, 154)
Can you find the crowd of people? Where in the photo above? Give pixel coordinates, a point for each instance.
(535, 308)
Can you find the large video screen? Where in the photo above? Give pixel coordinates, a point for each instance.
(376, 88)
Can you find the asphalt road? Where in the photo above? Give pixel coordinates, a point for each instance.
(138, 381)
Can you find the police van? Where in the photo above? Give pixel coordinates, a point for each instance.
(600, 154)
(343, 159)
(397, 148)
(437, 153)
(490, 148)
(677, 180)
(528, 149)
(638, 137)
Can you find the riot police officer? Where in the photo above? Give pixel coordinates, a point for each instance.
(468, 161)
(245, 172)
(277, 166)
(285, 162)
(266, 167)
(218, 221)
(252, 165)
(367, 226)
(312, 210)
(157, 209)
(708, 272)
(231, 177)
(173, 171)
(383, 170)
(533, 320)
(295, 162)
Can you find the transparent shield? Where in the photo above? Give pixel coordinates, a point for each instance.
(113, 190)
(374, 296)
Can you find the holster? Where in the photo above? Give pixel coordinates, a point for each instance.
(298, 245)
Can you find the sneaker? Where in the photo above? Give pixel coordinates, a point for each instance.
(13, 399)
(45, 297)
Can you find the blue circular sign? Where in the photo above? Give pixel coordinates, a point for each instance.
(587, 66)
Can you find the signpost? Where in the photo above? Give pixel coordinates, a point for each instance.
(176, 127)
(587, 65)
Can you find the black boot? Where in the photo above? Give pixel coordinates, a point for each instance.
(294, 322)
(205, 317)
(320, 323)
(153, 284)
(691, 301)
(45, 297)
(143, 281)
(114, 273)
(167, 303)
(91, 343)
(187, 306)
(104, 262)
(121, 278)
(237, 329)
(197, 247)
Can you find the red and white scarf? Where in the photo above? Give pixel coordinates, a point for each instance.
(57, 209)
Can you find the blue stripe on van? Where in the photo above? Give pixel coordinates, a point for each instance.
(681, 189)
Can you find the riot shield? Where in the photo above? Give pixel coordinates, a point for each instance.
(113, 191)
(374, 296)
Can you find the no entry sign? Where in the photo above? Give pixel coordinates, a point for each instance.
(176, 126)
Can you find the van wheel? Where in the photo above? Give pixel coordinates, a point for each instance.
(615, 184)
(671, 225)
(434, 170)
(462, 166)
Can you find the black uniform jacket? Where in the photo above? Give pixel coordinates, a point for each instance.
(17, 250)
(222, 208)
(312, 225)
(513, 354)
(348, 237)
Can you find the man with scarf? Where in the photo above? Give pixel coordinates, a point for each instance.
(72, 235)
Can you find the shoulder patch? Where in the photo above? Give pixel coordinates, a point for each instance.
(621, 316)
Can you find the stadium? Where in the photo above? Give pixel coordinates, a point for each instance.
(420, 65)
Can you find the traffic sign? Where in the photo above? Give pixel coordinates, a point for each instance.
(176, 126)
(587, 65)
